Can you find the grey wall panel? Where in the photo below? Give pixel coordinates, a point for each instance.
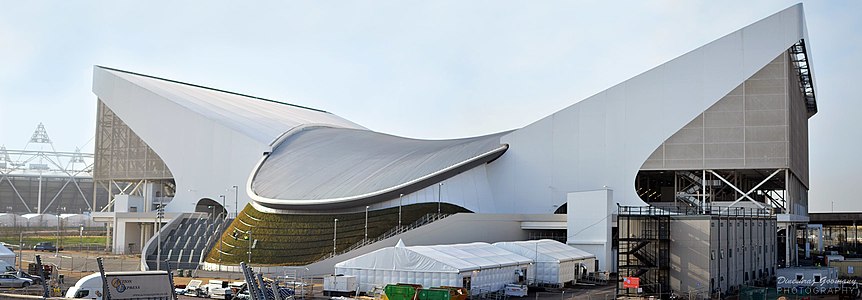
(723, 135)
(724, 151)
(798, 135)
(747, 128)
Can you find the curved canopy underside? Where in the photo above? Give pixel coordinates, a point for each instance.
(327, 166)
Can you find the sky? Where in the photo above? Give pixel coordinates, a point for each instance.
(421, 69)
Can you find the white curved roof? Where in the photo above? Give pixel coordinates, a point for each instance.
(438, 258)
(323, 165)
(262, 119)
(545, 250)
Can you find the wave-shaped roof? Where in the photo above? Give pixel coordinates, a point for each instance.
(327, 166)
(262, 119)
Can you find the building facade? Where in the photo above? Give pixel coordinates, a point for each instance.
(719, 129)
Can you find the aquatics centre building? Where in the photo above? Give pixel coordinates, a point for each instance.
(691, 162)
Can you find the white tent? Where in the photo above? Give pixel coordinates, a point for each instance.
(76, 220)
(480, 267)
(7, 255)
(11, 220)
(556, 263)
(41, 220)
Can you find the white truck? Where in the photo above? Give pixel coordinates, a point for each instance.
(124, 285)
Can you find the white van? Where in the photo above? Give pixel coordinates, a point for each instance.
(153, 284)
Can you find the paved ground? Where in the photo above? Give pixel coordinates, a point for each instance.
(75, 264)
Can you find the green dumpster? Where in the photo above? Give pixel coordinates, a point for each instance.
(401, 291)
(433, 294)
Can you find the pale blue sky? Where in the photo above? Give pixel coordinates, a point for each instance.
(425, 69)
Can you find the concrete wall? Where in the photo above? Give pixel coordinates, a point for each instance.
(594, 208)
(720, 251)
(689, 253)
(741, 246)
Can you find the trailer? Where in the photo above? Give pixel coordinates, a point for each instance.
(339, 285)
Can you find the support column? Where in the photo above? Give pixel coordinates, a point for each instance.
(108, 239)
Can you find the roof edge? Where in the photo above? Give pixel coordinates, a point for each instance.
(212, 89)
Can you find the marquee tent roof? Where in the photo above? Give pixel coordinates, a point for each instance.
(438, 258)
(6, 254)
(545, 250)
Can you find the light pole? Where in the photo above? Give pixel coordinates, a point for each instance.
(400, 203)
(235, 201)
(20, 250)
(439, 196)
(222, 203)
(334, 236)
(57, 248)
(249, 247)
(223, 220)
(366, 223)
(84, 268)
(160, 213)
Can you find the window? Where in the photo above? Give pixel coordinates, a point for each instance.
(799, 277)
(721, 253)
(729, 252)
(82, 293)
(817, 278)
(712, 255)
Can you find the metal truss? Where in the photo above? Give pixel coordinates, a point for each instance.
(799, 57)
(21, 170)
(700, 189)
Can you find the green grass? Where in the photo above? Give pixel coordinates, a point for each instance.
(30, 240)
(295, 239)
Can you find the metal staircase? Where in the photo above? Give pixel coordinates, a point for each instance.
(644, 249)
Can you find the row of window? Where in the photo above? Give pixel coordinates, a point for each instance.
(765, 250)
(741, 224)
(761, 273)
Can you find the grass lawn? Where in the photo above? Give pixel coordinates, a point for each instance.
(30, 240)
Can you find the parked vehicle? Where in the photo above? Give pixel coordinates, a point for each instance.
(22, 274)
(10, 280)
(131, 285)
(46, 246)
(339, 285)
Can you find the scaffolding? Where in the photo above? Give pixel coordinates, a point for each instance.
(39, 179)
(644, 249)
